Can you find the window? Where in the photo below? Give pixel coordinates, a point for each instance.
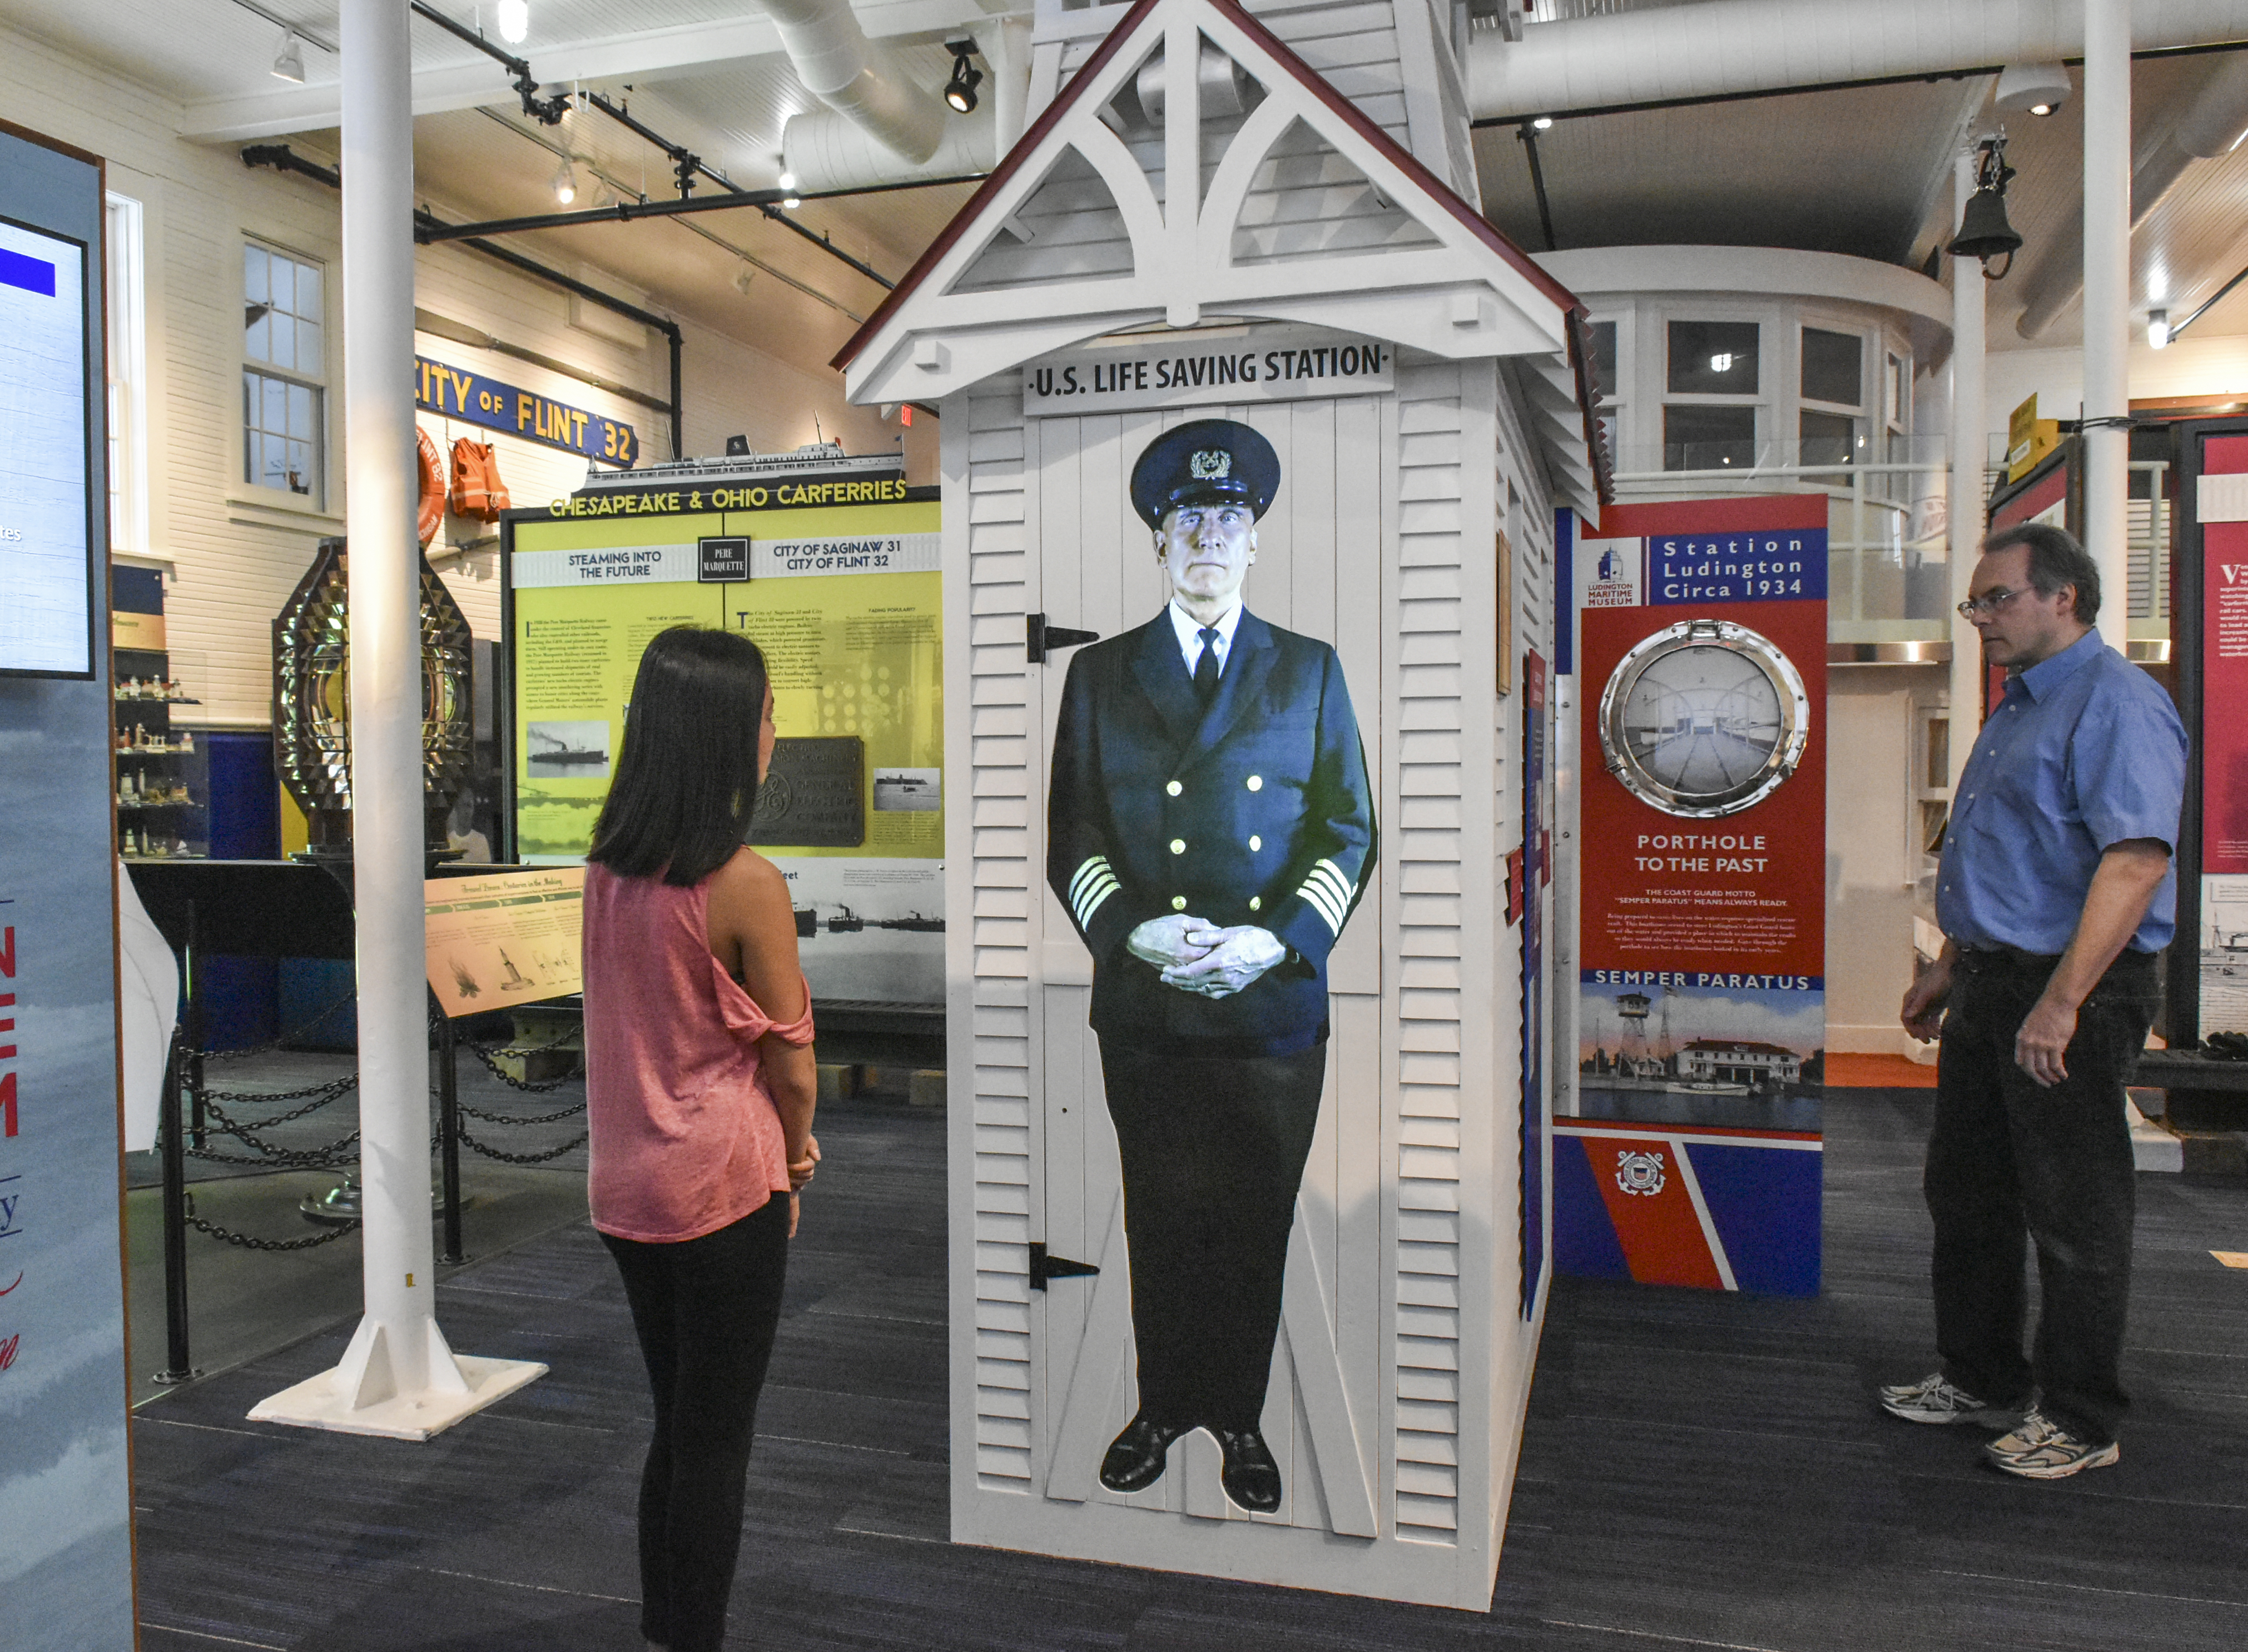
(126, 327)
(1833, 371)
(1828, 438)
(284, 341)
(1707, 438)
(1713, 357)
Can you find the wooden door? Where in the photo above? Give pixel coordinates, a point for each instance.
(1321, 552)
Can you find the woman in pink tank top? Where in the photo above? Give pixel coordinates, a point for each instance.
(699, 1089)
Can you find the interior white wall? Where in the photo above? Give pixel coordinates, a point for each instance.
(2214, 366)
(235, 552)
(1871, 857)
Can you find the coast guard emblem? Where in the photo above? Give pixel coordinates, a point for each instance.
(1640, 1173)
(1212, 465)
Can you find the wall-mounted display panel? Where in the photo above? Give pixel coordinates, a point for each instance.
(48, 541)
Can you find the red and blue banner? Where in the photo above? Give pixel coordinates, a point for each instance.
(1693, 1156)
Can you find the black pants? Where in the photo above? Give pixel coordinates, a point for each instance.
(704, 1310)
(1213, 1151)
(2011, 1162)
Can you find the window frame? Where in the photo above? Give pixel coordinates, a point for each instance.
(315, 501)
(125, 341)
(1658, 319)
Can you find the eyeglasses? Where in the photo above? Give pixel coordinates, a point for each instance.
(1988, 603)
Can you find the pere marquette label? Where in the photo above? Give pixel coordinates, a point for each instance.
(1207, 365)
(45, 623)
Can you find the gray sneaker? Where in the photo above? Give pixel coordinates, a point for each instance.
(1933, 1400)
(2041, 1450)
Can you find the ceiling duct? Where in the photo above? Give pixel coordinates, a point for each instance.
(864, 82)
(829, 149)
(1731, 48)
(2210, 125)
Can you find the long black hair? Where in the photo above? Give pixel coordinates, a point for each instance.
(687, 780)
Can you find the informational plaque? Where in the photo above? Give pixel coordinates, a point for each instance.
(815, 794)
(505, 938)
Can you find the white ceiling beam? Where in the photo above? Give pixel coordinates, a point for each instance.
(654, 55)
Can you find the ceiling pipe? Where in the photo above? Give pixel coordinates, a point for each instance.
(1732, 48)
(2208, 126)
(862, 81)
(826, 149)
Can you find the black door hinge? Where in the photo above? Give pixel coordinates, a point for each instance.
(1044, 1267)
(1041, 637)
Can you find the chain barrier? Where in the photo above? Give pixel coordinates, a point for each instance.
(502, 1118)
(334, 1089)
(474, 1145)
(527, 1086)
(227, 1235)
(278, 1040)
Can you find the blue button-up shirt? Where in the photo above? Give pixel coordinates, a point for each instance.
(2085, 752)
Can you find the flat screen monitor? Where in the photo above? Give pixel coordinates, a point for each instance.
(47, 577)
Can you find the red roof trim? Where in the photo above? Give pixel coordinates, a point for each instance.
(1588, 405)
(1348, 113)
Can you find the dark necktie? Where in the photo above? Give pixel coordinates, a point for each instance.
(1205, 678)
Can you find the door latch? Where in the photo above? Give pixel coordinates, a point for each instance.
(1044, 1267)
(1041, 638)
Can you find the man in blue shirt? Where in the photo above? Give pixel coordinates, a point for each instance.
(2055, 894)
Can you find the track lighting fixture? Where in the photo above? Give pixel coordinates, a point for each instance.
(1543, 123)
(2158, 329)
(565, 181)
(792, 200)
(787, 181)
(959, 90)
(289, 62)
(2039, 88)
(514, 21)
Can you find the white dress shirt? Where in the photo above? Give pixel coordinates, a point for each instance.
(1190, 631)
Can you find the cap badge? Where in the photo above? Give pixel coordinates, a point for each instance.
(1213, 464)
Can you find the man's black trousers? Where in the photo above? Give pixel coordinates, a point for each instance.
(2011, 1163)
(704, 1310)
(1213, 1151)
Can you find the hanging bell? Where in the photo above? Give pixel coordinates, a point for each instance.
(1983, 231)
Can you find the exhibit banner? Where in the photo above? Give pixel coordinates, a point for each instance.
(66, 1514)
(844, 602)
(2221, 510)
(478, 399)
(1701, 934)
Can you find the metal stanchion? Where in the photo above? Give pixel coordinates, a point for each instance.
(170, 1126)
(191, 959)
(448, 1135)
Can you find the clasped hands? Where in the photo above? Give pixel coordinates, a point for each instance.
(1200, 957)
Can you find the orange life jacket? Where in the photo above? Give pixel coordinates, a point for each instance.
(432, 468)
(477, 490)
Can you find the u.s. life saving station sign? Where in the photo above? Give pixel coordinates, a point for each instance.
(1170, 369)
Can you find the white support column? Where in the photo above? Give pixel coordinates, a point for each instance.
(2107, 302)
(1970, 447)
(398, 1377)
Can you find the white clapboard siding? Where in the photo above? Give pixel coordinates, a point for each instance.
(993, 876)
(1425, 846)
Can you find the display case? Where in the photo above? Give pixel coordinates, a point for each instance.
(162, 769)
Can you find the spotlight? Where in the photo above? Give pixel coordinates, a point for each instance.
(2158, 329)
(514, 21)
(1544, 123)
(1984, 232)
(565, 183)
(289, 62)
(787, 181)
(959, 90)
(792, 200)
(2040, 88)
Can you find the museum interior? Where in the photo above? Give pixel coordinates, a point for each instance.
(1572, 427)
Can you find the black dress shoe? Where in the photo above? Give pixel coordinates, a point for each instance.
(1137, 1457)
(1250, 1478)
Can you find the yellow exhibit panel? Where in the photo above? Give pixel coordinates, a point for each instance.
(845, 602)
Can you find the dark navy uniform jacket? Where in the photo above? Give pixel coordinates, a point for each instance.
(1257, 812)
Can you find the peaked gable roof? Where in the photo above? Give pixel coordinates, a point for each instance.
(1460, 289)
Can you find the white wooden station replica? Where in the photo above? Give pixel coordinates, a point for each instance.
(1323, 281)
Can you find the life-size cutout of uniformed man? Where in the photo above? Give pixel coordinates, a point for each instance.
(1211, 827)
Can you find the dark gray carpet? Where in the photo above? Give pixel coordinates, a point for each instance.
(1699, 1470)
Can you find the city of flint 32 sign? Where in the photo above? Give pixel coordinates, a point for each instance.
(479, 399)
(1209, 366)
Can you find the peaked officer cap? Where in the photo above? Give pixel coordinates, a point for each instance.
(1209, 461)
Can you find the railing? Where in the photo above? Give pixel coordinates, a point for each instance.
(1889, 565)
